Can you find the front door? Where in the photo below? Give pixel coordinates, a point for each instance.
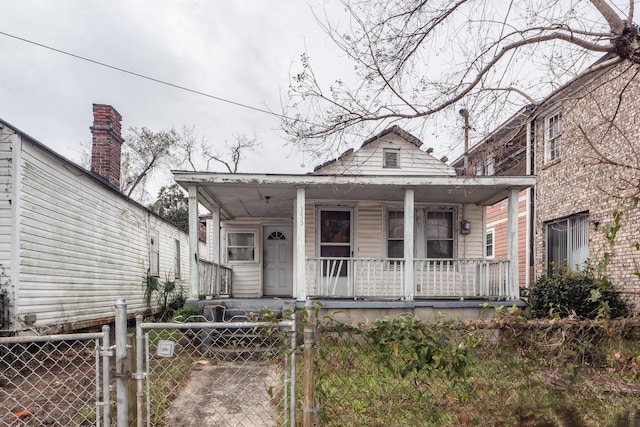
(335, 249)
(278, 260)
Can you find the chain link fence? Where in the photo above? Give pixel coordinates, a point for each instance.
(53, 380)
(227, 374)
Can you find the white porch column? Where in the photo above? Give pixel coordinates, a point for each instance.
(193, 242)
(512, 243)
(409, 278)
(214, 246)
(300, 280)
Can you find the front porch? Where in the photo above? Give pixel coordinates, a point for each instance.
(351, 238)
(384, 279)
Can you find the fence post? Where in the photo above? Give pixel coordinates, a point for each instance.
(122, 377)
(106, 400)
(139, 370)
(309, 336)
(292, 385)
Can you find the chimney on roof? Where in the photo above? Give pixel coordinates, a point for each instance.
(107, 143)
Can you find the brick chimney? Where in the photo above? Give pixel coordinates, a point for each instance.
(107, 143)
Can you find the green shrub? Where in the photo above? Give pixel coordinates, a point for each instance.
(188, 313)
(579, 293)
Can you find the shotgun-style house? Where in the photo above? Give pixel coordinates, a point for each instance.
(71, 244)
(385, 226)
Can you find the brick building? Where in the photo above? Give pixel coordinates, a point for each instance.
(583, 144)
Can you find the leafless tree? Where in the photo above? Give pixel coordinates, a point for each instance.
(143, 152)
(416, 58)
(230, 154)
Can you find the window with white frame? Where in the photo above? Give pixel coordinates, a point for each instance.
(391, 158)
(567, 243)
(434, 233)
(439, 234)
(395, 234)
(489, 243)
(490, 166)
(553, 137)
(241, 246)
(177, 259)
(154, 254)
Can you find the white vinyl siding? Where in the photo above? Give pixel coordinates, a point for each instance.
(369, 160)
(176, 257)
(82, 246)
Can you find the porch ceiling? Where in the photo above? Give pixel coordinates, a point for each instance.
(258, 195)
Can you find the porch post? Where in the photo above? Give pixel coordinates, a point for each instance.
(214, 247)
(408, 244)
(299, 218)
(193, 242)
(512, 243)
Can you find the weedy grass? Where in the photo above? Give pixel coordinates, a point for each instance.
(399, 374)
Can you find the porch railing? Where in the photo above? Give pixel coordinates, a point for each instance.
(213, 279)
(385, 278)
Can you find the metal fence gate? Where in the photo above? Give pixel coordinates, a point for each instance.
(219, 373)
(55, 380)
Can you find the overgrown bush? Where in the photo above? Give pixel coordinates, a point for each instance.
(580, 293)
(188, 313)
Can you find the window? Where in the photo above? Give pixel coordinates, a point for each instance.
(489, 166)
(489, 243)
(553, 137)
(433, 229)
(241, 246)
(567, 243)
(439, 234)
(154, 262)
(395, 234)
(177, 260)
(390, 158)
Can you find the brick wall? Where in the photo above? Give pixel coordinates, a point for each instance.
(598, 170)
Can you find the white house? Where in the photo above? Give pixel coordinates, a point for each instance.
(70, 243)
(386, 226)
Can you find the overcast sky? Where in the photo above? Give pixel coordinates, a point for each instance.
(238, 50)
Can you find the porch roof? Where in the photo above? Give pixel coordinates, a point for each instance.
(271, 195)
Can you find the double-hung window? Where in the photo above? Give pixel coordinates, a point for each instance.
(553, 137)
(567, 243)
(241, 246)
(395, 234)
(434, 231)
(489, 244)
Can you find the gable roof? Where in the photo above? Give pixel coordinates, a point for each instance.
(395, 129)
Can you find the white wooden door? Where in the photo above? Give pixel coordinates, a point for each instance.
(278, 261)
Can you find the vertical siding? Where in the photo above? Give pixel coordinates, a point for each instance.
(370, 226)
(471, 245)
(81, 245)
